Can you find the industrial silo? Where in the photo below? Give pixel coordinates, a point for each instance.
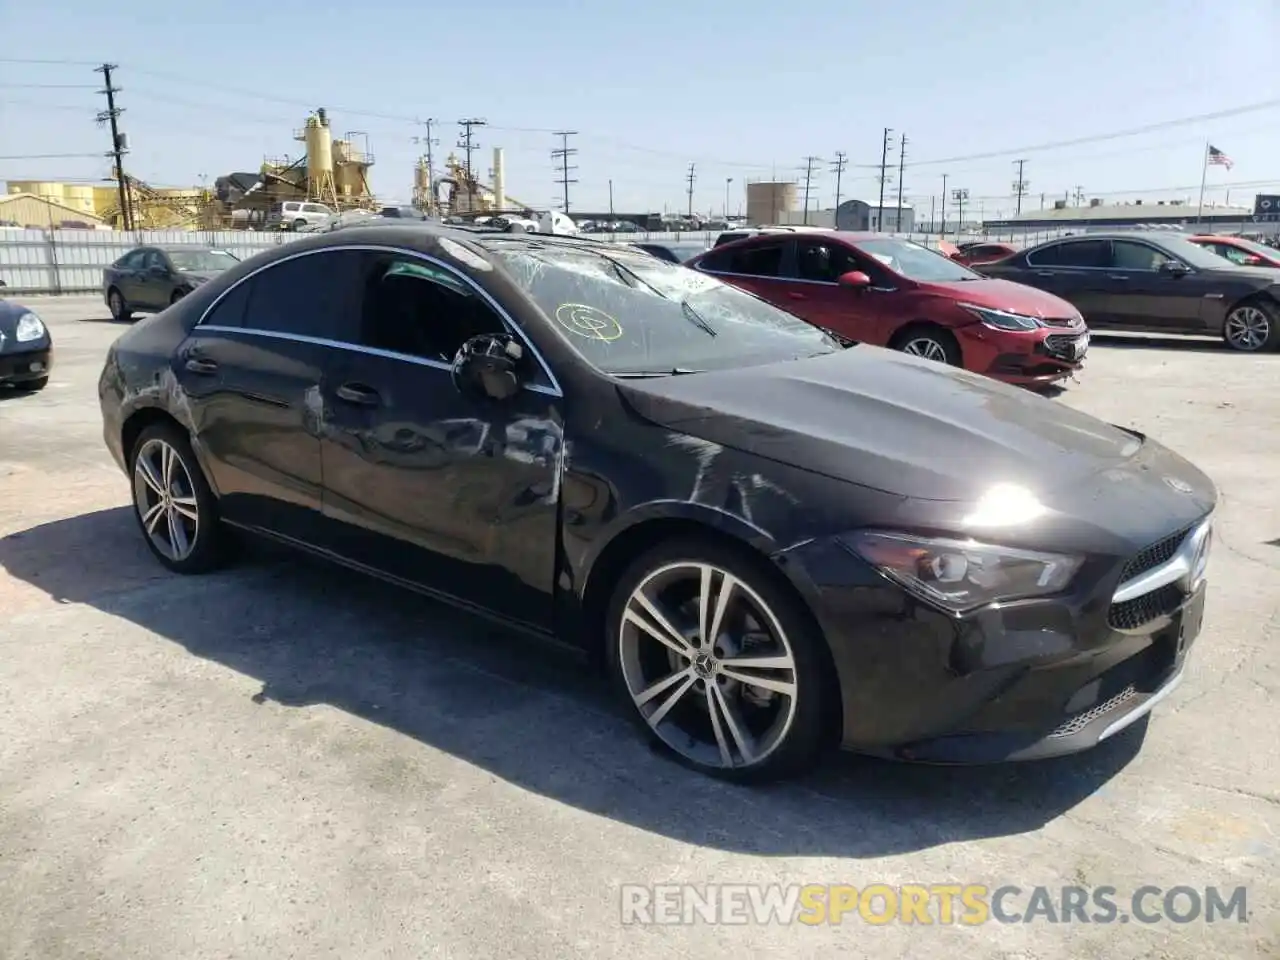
(319, 142)
(768, 200)
(79, 197)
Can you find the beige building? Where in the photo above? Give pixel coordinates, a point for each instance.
(33, 210)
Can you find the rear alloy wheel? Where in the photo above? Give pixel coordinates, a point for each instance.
(173, 504)
(717, 664)
(116, 304)
(1249, 328)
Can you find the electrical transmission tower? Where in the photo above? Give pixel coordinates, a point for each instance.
(841, 161)
(429, 202)
(1020, 185)
(468, 146)
(119, 142)
(563, 155)
(690, 178)
(884, 176)
(808, 183)
(902, 166)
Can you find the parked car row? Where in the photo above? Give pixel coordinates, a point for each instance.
(773, 541)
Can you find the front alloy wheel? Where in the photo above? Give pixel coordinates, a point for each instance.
(1248, 328)
(717, 665)
(927, 348)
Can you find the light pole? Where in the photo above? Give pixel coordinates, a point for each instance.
(727, 181)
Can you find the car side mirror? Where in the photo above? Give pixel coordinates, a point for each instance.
(487, 366)
(1174, 268)
(854, 280)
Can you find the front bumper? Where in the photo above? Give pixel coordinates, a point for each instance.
(1019, 681)
(27, 365)
(1033, 358)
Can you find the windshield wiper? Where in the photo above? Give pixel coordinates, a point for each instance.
(671, 372)
(629, 275)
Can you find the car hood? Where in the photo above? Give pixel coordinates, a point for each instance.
(902, 425)
(1005, 295)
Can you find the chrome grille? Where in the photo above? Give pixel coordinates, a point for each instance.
(1061, 344)
(1059, 321)
(1151, 557)
(1135, 613)
(1081, 720)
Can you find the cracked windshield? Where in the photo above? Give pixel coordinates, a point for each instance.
(633, 315)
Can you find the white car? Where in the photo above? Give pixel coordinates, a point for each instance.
(295, 214)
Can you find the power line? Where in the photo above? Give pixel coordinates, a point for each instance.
(838, 166)
(563, 155)
(49, 63)
(48, 86)
(119, 143)
(51, 156)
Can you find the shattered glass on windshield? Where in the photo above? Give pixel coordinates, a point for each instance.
(631, 314)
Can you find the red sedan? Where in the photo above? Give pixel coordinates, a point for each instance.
(890, 292)
(1247, 253)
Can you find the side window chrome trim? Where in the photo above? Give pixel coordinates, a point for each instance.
(554, 390)
(351, 347)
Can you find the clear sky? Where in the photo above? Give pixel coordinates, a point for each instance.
(741, 88)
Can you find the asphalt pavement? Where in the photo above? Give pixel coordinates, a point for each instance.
(288, 760)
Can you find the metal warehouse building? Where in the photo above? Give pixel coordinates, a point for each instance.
(1173, 214)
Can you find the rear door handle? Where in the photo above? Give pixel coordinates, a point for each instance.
(358, 394)
(1117, 276)
(1045, 273)
(201, 366)
(796, 296)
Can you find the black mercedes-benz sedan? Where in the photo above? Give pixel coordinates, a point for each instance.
(1154, 282)
(147, 279)
(772, 543)
(26, 348)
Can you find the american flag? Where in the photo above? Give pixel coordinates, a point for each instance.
(1219, 158)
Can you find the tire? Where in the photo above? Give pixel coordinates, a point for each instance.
(696, 703)
(202, 543)
(929, 342)
(119, 309)
(299, 224)
(1252, 327)
(31, 386)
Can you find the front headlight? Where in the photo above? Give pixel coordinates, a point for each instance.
(1003, 319)
(961, 575)
(30, 327)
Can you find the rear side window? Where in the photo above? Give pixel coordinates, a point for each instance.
(132, 260)
(823, 262)
(758, 261)
(1072, 253)
(310, 296)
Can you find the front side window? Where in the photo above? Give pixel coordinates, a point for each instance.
(823, 262)
(913, 261)
(627, 313)
(1128, 255)
(132, 260)
(413, 307)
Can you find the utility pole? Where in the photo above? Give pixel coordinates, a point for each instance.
(902, 166)
(727, 182)
(563, 155)
(690, 177)
(808, 181)
(960, 195)
(428, 141)
(1020, 186)
(1079, 195)
(841, 161)
(942, 233)
(884, 161)
(932, 209)
(119, 142)
(610, 199)
(468, 146)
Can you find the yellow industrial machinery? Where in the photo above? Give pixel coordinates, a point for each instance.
(162, 208)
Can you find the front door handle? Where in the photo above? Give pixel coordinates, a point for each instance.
(201, 366)
(794, 295)
(358, 394)
(1117, 276)
(1045, 273)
